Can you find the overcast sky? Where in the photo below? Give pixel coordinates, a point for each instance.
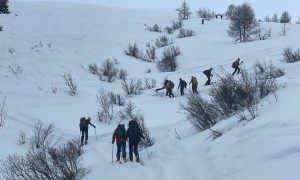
(261, 7)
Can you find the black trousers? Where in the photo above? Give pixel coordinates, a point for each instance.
(181, 90)
(236, 69)
(208, 80)
(84, 133)
(133, 147)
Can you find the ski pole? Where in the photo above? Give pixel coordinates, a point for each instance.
(112, 154)
(95, 134)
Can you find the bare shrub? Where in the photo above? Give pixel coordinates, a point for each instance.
(3, 111)
(133, 88)
(289, 56)
(133, 51)
(42, 136)
(168, 63)
(22, 137)
(53, 89)
(150, 55)
(265, 78)
(150, 85)
(154, 28)
(169, 30)
(185, 33)
(177, 24)
(93, 68)
(234, 96)
(16, 69)
(163, 41)
(201, 113)
(51, 164)
(109, 70)
(70, 82)
(106, 107)
(123, 74)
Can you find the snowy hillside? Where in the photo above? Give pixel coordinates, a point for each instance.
(41, 41)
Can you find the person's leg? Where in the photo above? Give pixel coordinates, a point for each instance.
(130, 151)
(118, 151)
(136, 153)
(234, 71)
(86, 135)
(208, 80)
(238, 70)
(82, 136)
(181, 91)
(124, 150)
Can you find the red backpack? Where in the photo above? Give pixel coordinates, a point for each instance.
(172, 85)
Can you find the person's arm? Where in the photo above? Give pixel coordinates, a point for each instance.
(92, 124)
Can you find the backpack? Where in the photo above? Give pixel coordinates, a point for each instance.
(135, 129)
(121, 131)
(194, 80)
(172, 84)
(82, 123)
(234, 64)
(184, 84)
(206, 72)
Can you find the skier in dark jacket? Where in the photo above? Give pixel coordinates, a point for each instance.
(84, 128)
(208, 75)
(134, 134)
(182, 84)
(165, 84)
(119, 136)
(235, 65)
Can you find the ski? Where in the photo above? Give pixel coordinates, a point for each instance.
(157, 92)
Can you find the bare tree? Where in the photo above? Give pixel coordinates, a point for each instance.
(242, 23)
(184, 11)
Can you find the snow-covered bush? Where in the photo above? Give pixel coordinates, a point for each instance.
(168, 63)
(163, 41)
(185, 33)
(22, 137)
(289, 56)
(70, 82)
(61, 162)
(109, 70)
(201, 113)
(133, 87)
(155, 28)
(123, 74)
(133, 51)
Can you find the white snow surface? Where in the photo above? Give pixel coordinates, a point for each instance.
(53, 38)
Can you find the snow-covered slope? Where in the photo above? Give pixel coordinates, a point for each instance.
(49, 39)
